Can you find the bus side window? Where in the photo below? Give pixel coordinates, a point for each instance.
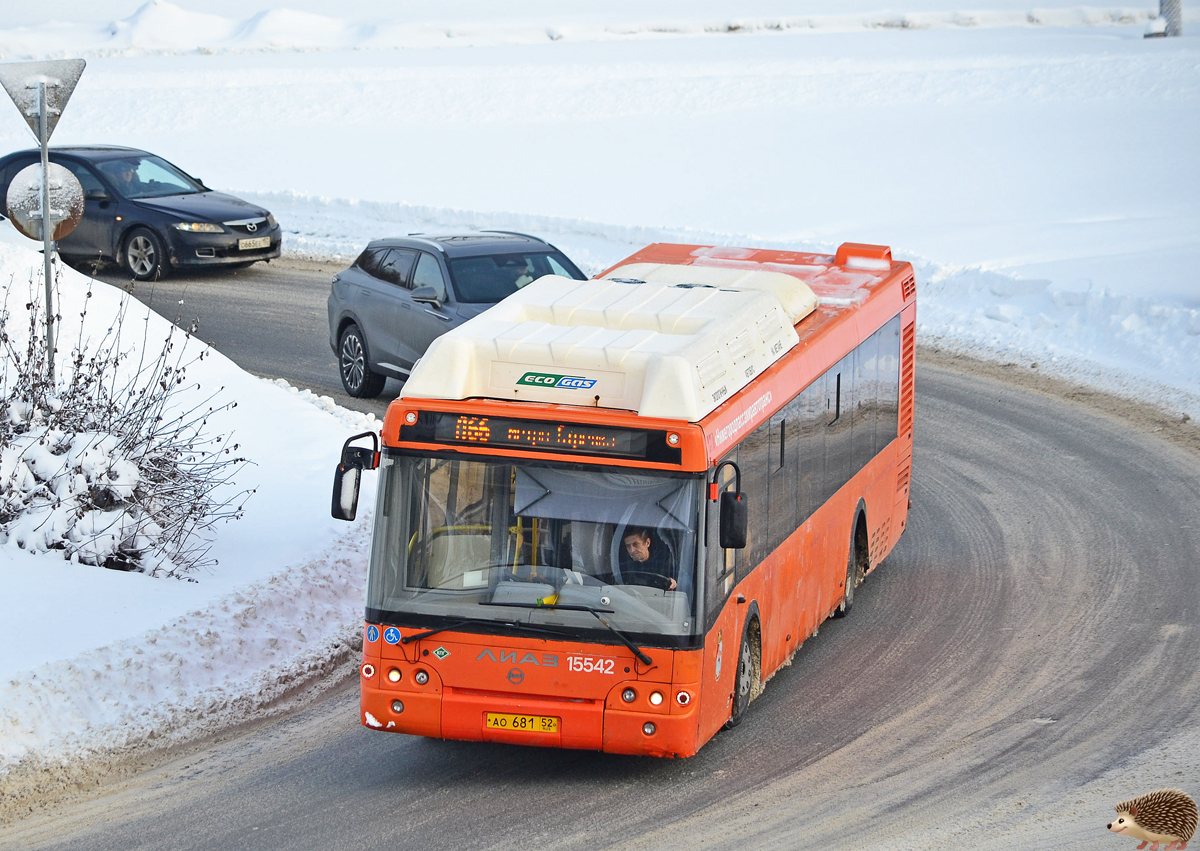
(811, 434)
(784, 480)
(889, 383)
(865, 393)
(754, 461)
(839, 448)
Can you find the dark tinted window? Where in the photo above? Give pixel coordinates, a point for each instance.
(370, 260)
(388, 264)
(492, 277)
(90, 183)
(396, 267)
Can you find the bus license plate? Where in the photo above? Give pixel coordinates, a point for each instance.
(528, 723)
(256, 242)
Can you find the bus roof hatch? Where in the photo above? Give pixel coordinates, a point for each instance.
(675, 346)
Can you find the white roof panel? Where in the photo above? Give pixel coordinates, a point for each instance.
(668, 348)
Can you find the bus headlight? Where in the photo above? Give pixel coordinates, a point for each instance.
(397, 706)
(629, 695)
(656, 698)
(421, 677)
(648, 728)
(394, 675)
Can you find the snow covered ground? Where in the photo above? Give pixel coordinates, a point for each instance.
(1039, 168)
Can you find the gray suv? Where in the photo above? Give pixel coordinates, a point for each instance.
(400, 294)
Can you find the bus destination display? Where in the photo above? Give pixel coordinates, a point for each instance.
(541, 436)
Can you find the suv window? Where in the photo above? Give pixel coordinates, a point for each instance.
(387, 264)
(429, 274)
(491, 278)
(397, 266)
(370, 259)
(558, 269)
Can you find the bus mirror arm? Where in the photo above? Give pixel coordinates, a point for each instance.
(733, 509)
(348, 475)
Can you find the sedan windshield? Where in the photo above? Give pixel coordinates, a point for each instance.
(539, 546)
(490, 278)
(147, 177)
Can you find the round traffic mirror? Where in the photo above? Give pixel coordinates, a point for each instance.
(24, 201)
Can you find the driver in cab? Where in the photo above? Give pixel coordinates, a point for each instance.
(643, 555)
(127, 178)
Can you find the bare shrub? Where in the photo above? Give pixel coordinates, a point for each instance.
(111, 464)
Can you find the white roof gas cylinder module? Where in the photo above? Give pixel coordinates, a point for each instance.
(662, 340)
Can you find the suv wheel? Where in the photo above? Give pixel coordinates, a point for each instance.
(357, 377)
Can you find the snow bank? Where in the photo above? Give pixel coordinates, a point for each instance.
(94, 660)
(158, 27)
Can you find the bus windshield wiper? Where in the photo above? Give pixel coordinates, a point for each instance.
(456, 625)
(408, 639)
(531, 628)
(637, 651)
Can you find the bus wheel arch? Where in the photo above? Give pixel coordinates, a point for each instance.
(858, 560)
(747, 683)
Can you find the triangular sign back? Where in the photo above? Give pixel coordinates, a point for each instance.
(21, 79)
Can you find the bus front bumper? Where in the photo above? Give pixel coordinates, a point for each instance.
(582, 724)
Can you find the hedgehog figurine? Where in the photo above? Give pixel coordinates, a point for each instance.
(1167, 815)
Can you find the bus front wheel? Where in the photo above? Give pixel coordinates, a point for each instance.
(743, 687)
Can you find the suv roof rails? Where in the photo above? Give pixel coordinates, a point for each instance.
(518, 233)
(427, 241)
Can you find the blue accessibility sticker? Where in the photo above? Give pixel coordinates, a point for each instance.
(372, 633)
(391, 635)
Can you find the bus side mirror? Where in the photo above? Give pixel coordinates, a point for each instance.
(733, 521)
(733, 508)
(348, 475)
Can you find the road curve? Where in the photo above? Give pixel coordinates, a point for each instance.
(1035, 628)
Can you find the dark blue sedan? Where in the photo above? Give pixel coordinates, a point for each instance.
(150, 216)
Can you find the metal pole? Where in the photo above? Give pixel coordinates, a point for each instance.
(47, 226)
(1172, 12)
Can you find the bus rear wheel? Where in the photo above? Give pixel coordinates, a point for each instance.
(856, 568)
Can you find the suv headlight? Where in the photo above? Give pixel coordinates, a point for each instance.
(199, 227)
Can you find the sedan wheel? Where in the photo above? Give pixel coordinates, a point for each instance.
(144, 256)
(357, 377)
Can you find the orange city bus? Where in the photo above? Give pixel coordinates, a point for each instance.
(609, 510)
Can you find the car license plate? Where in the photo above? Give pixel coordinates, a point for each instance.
(528, 723)
(256, 242)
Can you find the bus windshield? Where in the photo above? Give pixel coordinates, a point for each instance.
(538, 545)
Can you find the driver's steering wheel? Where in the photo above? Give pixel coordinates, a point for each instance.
(645, 577)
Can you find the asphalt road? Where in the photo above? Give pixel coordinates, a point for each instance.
(1035, 628)
(270, 319)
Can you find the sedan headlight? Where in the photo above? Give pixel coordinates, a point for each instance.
(270, 220)
(199, 227)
